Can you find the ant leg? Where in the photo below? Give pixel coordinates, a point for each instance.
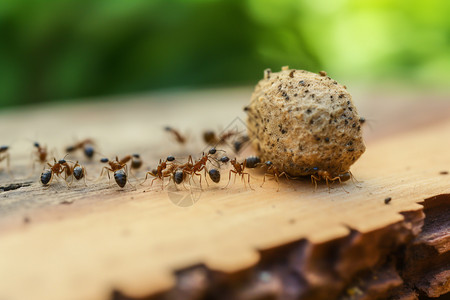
(264, 179)
(314, 180)
(146, 176)
(248, 179)
(229, 177)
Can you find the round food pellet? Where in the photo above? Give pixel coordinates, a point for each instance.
(304, 122)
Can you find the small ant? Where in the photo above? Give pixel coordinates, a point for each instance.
(178, 137)
(238, 170)
(41, 154)
(328, 177)
(162, 170)
(211, 138)
(136, 161)
(4, 155)
(118, 168)
(274, 172)
(59, 167)
(86, 145)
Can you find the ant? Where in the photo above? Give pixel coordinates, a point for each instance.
(274, 172)
(4, 155)
(79, 172)
(239, 170)
(200, 164)
(162, 170)
(41, 154)
(178, 137)
(328, 177)
(59, 167)
(136, 161)
(118, 168)
(211, 138)
(86, 145)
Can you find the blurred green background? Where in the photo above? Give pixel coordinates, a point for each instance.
(54, 50)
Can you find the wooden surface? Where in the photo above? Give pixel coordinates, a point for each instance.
(85, 243)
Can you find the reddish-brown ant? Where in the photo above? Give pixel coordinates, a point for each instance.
(274, 172)
(118, 168)
(41, 154)
(136, 161)
(211, 138)
(4, 155)
(328, 177)
(238, 170)
(177, 135)
(59, 167)
(163, 170)
(86, 145)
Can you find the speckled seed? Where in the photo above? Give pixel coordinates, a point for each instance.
(304, 122)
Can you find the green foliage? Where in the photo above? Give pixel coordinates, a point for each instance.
(62, 49)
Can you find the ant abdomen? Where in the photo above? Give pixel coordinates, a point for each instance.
(121, 177)
(214, 174)
(136, 161)
(89, 151)
(46, 176)
(78, 173)
(252, 162)
(178, 176)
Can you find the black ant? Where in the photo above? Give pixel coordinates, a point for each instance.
(238, 170)
(86, 145)
(177, 135)
(59, 167)
(4, 155)
(274, 172)
(328, 177)
(118, 168)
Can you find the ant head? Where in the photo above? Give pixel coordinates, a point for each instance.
(362, 120)
(212, 151)
(224, 159)
(3, 148)
(269, 163)
(36, 144)
(104, 160)
(61, 161)
(170, 158)
(136, 155)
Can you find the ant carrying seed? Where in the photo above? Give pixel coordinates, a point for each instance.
(118, 168)
(214, 174)
(238, 170)
(274, 172)
(86, 145)
(176, 134)
(4, 155)
(252, 162)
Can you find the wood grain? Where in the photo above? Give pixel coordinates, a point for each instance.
(85, 243)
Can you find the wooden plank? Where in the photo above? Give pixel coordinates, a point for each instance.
(133, 240)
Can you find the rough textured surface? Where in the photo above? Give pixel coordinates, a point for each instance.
(304, 122)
